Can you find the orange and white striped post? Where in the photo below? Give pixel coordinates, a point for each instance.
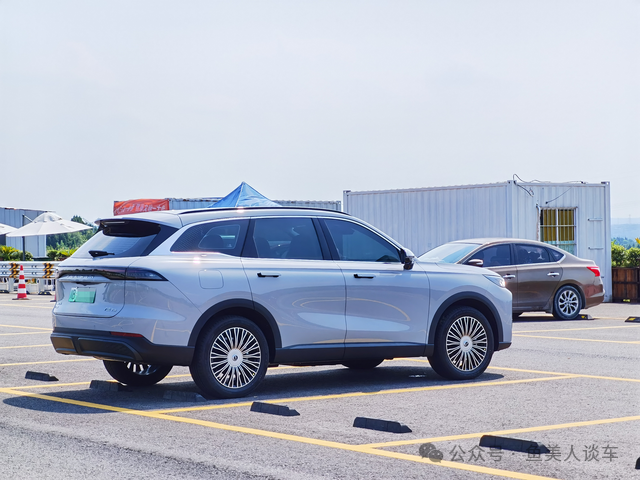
(22, 286)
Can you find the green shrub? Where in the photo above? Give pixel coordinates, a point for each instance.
(64, 254)
(618, 255)
(52, 253)
(10, 254)
(633, 257)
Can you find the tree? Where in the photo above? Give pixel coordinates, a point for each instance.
(73, 240)
(618, 254)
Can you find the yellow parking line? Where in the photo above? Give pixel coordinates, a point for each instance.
(601, 377)
(366, 394)
(574, 329)
(541, 428)
(22, 326)
(41, 363)
(50, 385)
(284, 436)
(455, 465)
(21, 333)
(542, 372)
(28, 346)
(576, 339)
(22, 305)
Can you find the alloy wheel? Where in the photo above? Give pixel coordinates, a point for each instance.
(141, 368)
(568, 302)
(235, 357)
(466, 343)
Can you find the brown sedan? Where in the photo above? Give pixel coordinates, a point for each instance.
(541, 277)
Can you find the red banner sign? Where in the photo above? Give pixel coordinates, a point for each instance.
(138, 206)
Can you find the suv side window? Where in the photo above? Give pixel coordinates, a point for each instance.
(494, 256)
(527, 254)
(292, 238)
(224, 237)
(359, 244)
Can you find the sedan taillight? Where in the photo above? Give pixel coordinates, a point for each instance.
(595, 270)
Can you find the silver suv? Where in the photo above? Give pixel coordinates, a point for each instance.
(229, 292)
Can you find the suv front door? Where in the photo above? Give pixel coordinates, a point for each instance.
(387, 306)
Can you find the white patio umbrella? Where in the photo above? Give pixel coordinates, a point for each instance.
(46, 224)
(4, 229)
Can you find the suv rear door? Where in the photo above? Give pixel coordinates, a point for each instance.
(291, 275)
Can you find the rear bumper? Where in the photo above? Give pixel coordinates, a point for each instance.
(594, 295)
(105, 346)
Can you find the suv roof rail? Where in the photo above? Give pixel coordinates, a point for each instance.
(183, 212)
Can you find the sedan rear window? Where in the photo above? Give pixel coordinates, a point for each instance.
(124, 238)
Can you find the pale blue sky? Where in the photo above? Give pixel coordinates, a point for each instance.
(104, 101)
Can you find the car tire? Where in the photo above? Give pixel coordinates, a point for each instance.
(567, 303)
(231, 358)
(136, 374)
(463, 344)
(364, 364)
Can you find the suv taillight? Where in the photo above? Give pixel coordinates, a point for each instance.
(595, 270)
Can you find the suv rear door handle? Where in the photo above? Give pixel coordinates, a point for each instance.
(268, 274)
(364, 275)
(552, 274)
(508, 276)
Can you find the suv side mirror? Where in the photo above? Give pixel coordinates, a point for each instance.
(476, 262)
(407, 258)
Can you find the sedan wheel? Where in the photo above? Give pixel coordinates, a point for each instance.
(463, 344)
(231, 358)
(567, 303)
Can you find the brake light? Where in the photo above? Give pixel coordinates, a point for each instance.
(595, 270)
(143, 274)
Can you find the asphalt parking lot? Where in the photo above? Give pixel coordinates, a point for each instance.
(573, 386)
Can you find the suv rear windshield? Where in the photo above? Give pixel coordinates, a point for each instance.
(125, 238)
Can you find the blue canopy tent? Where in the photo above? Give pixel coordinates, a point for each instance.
(244, 196)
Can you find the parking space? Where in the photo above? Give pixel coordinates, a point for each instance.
(572, 386)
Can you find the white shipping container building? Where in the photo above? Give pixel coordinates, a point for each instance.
(17, 217)
(574, 216)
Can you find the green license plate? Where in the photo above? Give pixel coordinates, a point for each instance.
(82, 295)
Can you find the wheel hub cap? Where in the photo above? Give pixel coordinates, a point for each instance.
(466, 344)
(235, 357)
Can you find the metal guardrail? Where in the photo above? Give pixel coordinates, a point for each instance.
(40, 276)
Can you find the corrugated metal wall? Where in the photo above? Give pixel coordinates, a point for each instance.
(326, 204)
(424, 218)
(13, 217)
(191, 203)
(194, 203)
